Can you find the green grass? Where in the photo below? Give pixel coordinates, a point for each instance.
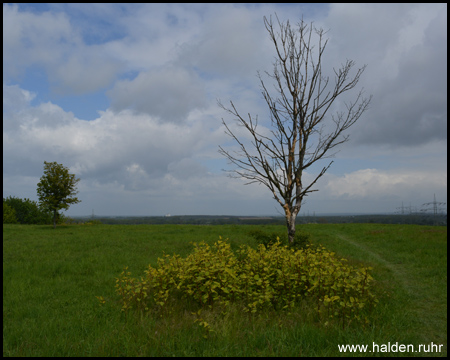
(51, 278)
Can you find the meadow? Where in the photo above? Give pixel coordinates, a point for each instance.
(51, 278)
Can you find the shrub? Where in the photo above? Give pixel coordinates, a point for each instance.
(274, 277)
(92, 222)
(301, 240)
(29, 212)
(9, 214)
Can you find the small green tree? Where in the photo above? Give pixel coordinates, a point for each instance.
(57, 188)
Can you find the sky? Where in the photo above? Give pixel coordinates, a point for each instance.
(125, 96)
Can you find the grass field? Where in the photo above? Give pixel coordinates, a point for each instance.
(51, 278)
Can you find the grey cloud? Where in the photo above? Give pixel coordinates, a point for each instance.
(169, 94)
(231, 44)
(412, 109)
(186, 168)
(84, 72)
(408, 79)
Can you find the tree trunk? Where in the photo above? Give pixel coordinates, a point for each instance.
(291, 215)
(54, 219)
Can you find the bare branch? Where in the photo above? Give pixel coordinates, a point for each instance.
(298, 112)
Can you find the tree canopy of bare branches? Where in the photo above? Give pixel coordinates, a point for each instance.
(302, 129)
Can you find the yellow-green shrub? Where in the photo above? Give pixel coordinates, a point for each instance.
(275, 276)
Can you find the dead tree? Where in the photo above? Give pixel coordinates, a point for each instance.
(302, 132)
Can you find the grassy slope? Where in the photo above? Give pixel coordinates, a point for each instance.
(51, 277)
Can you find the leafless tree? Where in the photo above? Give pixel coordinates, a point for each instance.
(301, 133)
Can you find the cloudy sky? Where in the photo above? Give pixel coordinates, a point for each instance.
(126, 97)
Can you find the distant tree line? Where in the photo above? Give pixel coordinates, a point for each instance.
(413, 219)
(422, 219)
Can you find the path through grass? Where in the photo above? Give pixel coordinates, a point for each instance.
(414, 259)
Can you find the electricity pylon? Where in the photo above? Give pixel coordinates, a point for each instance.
(435, 206)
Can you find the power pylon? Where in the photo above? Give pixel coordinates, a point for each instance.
(403, 208)
(435, 206)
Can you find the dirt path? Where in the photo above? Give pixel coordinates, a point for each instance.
(398, 270)
(424, 305)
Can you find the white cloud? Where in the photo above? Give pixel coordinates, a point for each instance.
(122, 154)
(30, 38)
(104, 147)
(48, 40)
(373, 184)
(15, 99)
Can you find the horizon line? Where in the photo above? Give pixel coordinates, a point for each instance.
(256, 216)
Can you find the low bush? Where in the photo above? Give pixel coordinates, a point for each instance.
(267, 277)
(301, 239)
(91, 222)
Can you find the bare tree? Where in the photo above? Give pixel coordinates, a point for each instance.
(300, 134)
